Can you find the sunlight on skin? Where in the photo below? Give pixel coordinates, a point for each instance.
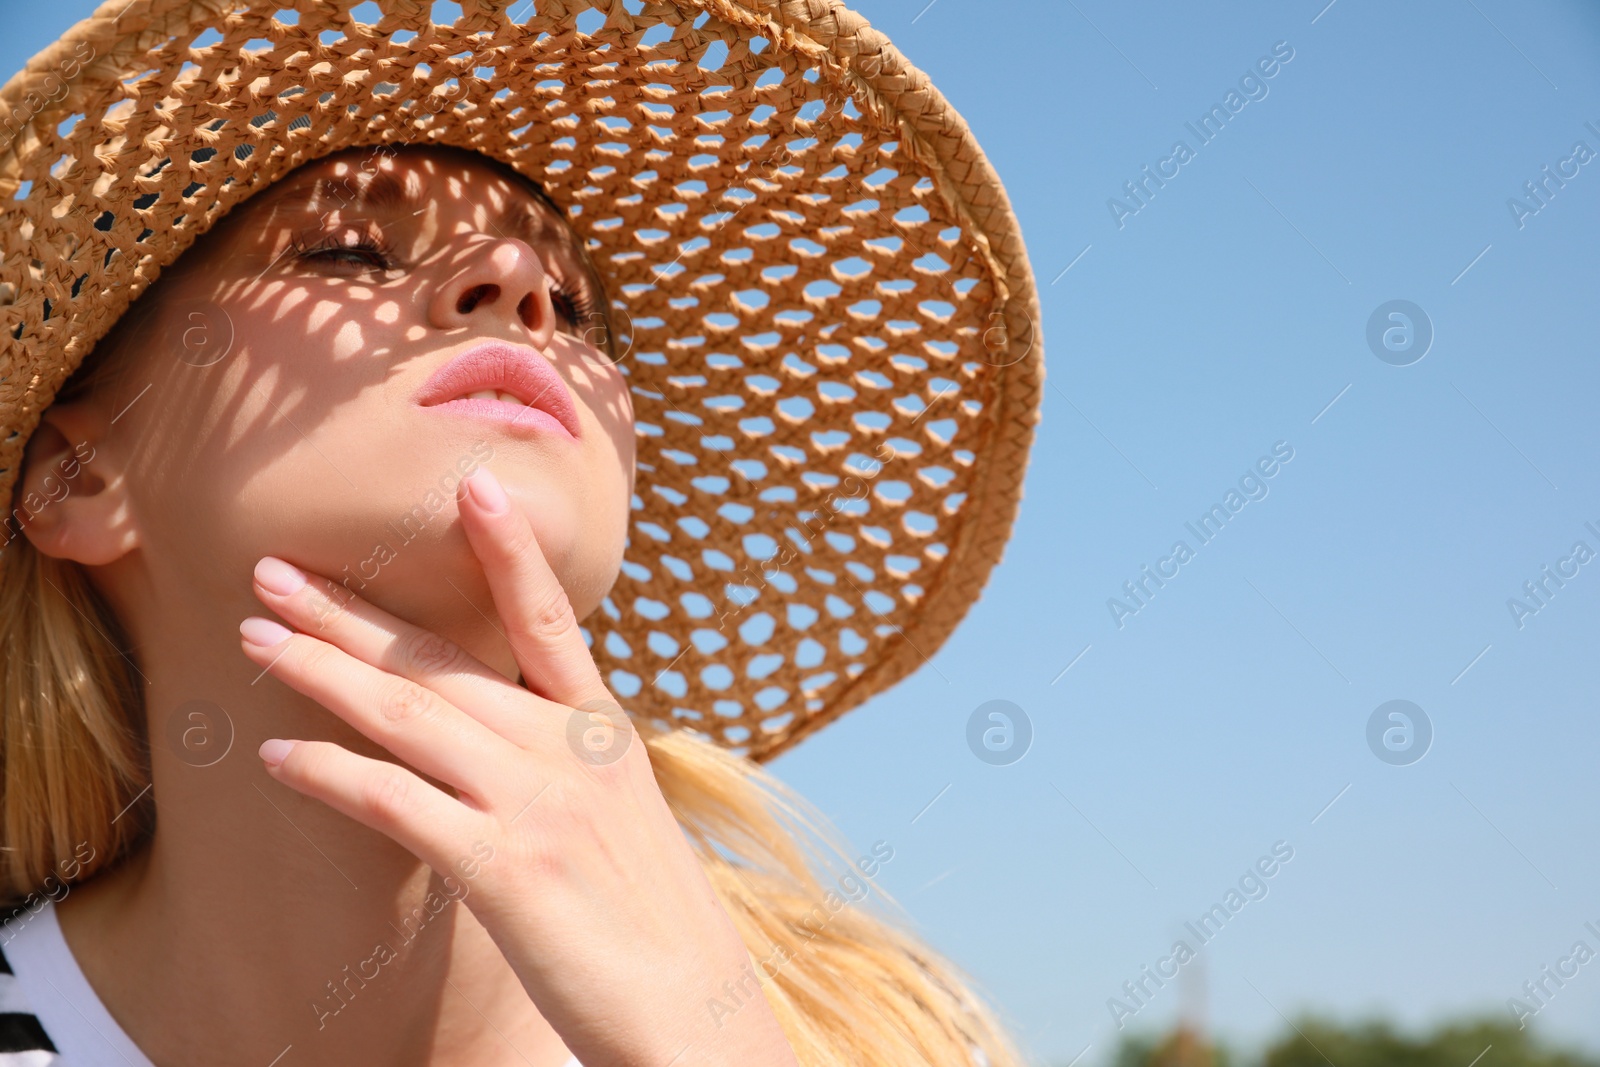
(348, 341)
(271, 291)
(322, 314)
(255, 403)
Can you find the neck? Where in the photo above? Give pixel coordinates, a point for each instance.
(257, 919)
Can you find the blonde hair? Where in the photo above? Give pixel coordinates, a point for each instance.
(848, 986)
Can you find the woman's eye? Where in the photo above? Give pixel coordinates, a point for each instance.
(347, 253)
(562, 302)
(573, 307)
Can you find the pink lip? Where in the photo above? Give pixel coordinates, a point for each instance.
(507, 368)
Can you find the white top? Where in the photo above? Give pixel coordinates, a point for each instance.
(50, 1016)
(69, 1026)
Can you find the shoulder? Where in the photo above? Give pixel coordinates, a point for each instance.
(23, 1042)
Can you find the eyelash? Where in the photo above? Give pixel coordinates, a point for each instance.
(576, 305)
(377, 253)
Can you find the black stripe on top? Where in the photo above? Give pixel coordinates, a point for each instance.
(20, 1031)
(23, 1033)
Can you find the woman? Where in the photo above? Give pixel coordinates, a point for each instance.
(341, 485)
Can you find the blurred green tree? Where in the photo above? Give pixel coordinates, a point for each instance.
(1313, 1042)
(1488, 1042)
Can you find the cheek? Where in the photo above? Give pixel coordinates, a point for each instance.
(602, 392)
(614, 453)
(282, 442)
(626, 436)
(603, 500)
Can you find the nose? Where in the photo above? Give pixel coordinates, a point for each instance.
(501, 280)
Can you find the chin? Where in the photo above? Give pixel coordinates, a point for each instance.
(427, 573)
(580, 531)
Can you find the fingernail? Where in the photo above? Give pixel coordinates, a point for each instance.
(279, 577)
(263, 633)
(275, 751)
(487, 492)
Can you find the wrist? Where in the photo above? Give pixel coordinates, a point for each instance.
(730, 1026)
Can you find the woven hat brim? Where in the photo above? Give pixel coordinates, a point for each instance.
(829, 322)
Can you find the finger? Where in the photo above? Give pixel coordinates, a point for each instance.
(426, 822)
(529, 598)
(333, 613)
(413, 722)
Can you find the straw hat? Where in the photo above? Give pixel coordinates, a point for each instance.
(829, 320)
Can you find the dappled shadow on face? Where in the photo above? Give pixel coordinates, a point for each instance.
(279, 358)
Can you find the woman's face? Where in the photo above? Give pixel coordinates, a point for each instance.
(289, 409)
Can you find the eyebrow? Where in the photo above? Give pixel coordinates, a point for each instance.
(524, 219)
(380, 190)
(532, 216)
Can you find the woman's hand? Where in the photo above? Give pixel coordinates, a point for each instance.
(593, 893)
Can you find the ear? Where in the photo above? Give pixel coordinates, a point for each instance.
(71, 499)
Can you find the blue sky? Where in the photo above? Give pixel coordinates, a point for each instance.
(1225, 316)
(1219, 319)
